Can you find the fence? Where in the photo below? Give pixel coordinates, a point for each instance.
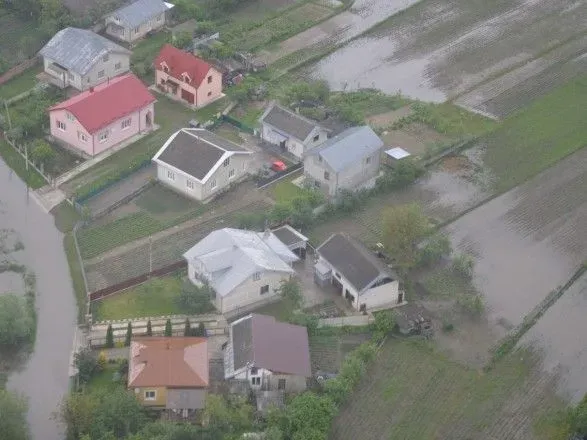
(99, 294)
(238, 124)
(346, 321)
(265, 181)
(17, 70)
(27, 159)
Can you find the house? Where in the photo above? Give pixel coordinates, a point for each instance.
(186, 77)
(200, 164)
(290, 131)
(103, 116)
(361, 278)
(347, 161)
(134, 21)
(268, 354)
(244, 268)
(294, 240)
(81, 59)
(169, 373)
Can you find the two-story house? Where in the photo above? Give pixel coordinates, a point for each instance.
(290, 131)
(244, 268)
(347, 161)
(200, 164)
(268, 354)
(186, 77)
(132, 22)
(81, 59)
(364, 280)
(169, 373)
(103, 116)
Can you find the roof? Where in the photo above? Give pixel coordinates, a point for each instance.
(168, 362)
(106, 103)
(230, 256)
(352, 260)
(348, 147)
(288, 235)
(288, 122)
(197, 152)
(263, 342)
(79, 49)
(139, 11)
(397, 153)
(179, 62)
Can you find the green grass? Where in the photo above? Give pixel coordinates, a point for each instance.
(20, 84)
(211, 110)
(159, 200)
(453, 121)
(65, 216)
(157, 297)
(414, 392)
(148, 49)
(229, 132)
(17, 163)
(19, 38)
(104, 379)
(538, 136)
(285, 192)
(77, 277)
(445, 283)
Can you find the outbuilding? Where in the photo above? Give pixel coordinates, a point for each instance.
(294, 240)
(392, 156)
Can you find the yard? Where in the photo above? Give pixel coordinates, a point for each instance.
(17, 163)
(20, 83)
(285, 191)
(413, 392)
(19, 39)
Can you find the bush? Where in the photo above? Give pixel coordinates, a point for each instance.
(463, 265)
(17, 322)
(109, 337)
(434, 249)
(471, 304)
(168, 328)
(42, 153)
(87, 364)
(187, 329)
(195, 300)
(251, 220)
(149, 328)
(404, 173)
(128, 337)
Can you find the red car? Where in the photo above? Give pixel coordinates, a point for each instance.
(278, 165)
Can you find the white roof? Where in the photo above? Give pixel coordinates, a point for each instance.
(229, 256)
(397, 153)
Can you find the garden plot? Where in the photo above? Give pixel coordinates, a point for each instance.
(19, 39)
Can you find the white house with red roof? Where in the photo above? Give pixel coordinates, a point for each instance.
(186, 77)
(103, 116)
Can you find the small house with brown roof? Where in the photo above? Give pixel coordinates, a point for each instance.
(268, 354)
(186, 77)
(169, 373)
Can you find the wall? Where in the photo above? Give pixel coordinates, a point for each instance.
(129, 34)
(92, 79)
(160, 398)
(237, 162)
(380, 295)
(70, 135)
(179, 183)
(214, 88)
(315, 170)
(186, 398)
(356, 176)
(293, 383)
(62, 77)
(249, 291)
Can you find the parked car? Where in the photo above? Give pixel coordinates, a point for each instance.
(278, 165)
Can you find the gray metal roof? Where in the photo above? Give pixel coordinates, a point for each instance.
(78, 50)
(196, 151)
(348, 147)
(352, 260)
(288, 122)
(288, 235)
(139, 12)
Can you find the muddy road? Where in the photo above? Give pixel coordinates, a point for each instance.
(44, 378)
(491, 57)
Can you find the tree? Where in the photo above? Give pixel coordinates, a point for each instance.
(182, 40)
(77, 412)
(227, 416)
(200, 330)
(433, 250)
(310, 410)
(195, 300)
(17, 324)
(463, 265)
(109, 337)
(309, 433)
(149, 328)
(128, 337)
(578, 418)
(187, 329)
(307, 91)
(403, 227)
(168, 328)
(13, 421)
(42, 152)
(86, 363)
(291, 294)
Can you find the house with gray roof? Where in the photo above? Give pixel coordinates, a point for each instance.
(268, 354)
(364, 280)
(200, 164)
(81, 59)
(132, 22)
(290, 131)
(244, 268)
(347, 161)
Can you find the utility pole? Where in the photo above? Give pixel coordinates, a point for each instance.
(26, 156)
(7, 114)
(150, 254)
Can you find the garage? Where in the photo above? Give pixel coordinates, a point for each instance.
(295, 241)
(188, 96)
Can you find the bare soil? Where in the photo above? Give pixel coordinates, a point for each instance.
(384, 120)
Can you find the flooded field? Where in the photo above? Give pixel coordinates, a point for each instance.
(528, 241)
(490, 56)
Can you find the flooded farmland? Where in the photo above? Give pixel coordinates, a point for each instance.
(492, 57)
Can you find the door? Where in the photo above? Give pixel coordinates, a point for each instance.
(187, 96)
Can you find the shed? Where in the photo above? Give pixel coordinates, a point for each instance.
(294, 240)
(394, 155)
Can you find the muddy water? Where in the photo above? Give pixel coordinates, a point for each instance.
(44, 376)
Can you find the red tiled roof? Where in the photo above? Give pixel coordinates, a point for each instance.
(168, 362)
(179, 62)
(107, 102)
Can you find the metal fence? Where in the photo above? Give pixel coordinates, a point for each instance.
(238, 124)
(264, 181)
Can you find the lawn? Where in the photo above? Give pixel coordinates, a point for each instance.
(285, 191)
(413, 392)
(147, 49)
(105, 378)
(17, 163)
(211, 110)
(538, 136)
(20, 83)
(444, 283)
(157, 297)
(77, 277)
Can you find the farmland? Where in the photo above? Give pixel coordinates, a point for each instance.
(19, 39)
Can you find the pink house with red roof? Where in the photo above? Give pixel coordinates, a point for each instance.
(186, 77)
(103, 116)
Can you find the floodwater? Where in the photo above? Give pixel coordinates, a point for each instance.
(44, 377)
(529, 241)
(442, 49)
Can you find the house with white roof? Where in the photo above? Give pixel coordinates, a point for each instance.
(243, 268)
(135, 20)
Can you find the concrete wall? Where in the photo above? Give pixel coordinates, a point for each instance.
(380, 295)
(130, 35)
(203, 93)
(160, 396)
(293, 383)
(186, 398)
(314, 170)
(293, 145)
(117, 64)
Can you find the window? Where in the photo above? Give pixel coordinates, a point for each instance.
(256, 380)
(189, 183)
(185, 77)
(82, 136)
(209, 79)
(226, 162)
(105, 58)
(165, 68)
(209, 93)
(256, 276)
(264, 289)
(320, 159)
(336, 274)
(69, 117)
(368, 160)
(160, 17)
(326, 175)
(316, 138)
(100, 74)
(61, 125)
(170, 175)
(231, 174)
(103, 136)
(125, 124)
(70, 75)
(213, 184)
(150, 395)
(254, 370)
(117, 66)
(136, 30)
(281, 384)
